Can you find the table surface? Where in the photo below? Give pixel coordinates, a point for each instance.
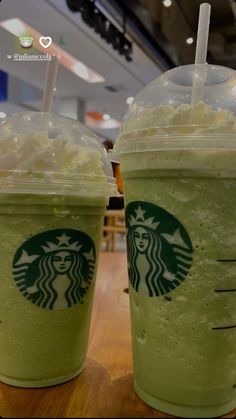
(105, 387)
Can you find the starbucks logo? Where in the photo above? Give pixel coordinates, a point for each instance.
(54, 269)
(159, 249)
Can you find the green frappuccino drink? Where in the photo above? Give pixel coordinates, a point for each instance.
(178, 165)
(55, 182)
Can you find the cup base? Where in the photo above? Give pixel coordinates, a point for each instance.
(44, 382)
(183, 410)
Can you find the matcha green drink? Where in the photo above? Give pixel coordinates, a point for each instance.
(178, 166)
(54, 190)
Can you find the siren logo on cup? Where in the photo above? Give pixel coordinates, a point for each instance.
(159, 249)
(54, 269)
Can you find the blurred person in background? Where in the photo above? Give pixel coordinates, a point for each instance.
(115, 202)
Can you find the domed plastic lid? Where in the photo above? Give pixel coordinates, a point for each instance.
(162, 116)
(42, 153)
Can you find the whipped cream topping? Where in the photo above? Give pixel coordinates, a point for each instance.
(35, 152)
(184, 118)
(46, 153)
(185, 127)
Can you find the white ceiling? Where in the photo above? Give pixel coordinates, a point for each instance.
(53, 18)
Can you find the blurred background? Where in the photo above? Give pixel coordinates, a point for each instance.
(109, 50)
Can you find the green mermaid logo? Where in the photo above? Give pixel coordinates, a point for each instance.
(54, 269)
(159, 249)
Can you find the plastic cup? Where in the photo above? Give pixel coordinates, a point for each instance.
(55, 181)
(178, 166)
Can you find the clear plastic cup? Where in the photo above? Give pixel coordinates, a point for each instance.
(178, 166)
(55, 181)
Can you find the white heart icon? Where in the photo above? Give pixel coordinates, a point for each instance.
(45, 41)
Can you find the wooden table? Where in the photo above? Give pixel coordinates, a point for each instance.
(105, 387)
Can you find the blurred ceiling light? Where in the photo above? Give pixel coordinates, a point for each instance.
(2, 115)
(19, 28)
(167, 3)
(106, 117)
(81, 70)
(129, 100)
(189, 40)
